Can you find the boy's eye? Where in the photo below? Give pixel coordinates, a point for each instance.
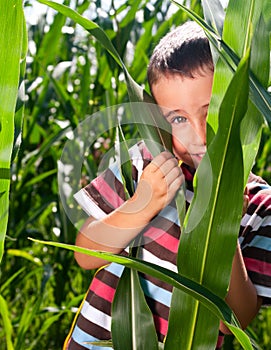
(178, 119)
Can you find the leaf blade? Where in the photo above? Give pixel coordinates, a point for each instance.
(210, 227)
(12, 19)
(132, 324)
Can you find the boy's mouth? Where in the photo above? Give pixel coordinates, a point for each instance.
(198, 155)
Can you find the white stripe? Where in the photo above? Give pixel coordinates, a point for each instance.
(256, 221)
(189, 196)
(245, 220)
(170, 213)
(115, 269)
(263, 291)
(147, 256)
(137, 159)
(88, 205)
(93, 314)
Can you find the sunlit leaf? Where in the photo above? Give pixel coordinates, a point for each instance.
(12, 21)
(214, 303)
(4, 312)
(259, 95)
(225, 154)
(133, 321)
(25, 255)
(136, 92)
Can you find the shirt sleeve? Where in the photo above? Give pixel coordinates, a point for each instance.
(255, 239)
(106, 192)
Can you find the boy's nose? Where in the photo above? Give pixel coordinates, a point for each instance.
(200, 131)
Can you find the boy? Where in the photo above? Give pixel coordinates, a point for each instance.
(180, 76)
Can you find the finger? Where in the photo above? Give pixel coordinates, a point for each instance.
(173, 174)
(160, 160)
(245, 203)
(174, 187)
(169, 165)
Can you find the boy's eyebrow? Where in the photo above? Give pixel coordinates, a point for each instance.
(168, 114)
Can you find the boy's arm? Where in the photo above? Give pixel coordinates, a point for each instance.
(242, 296)
(157, 187)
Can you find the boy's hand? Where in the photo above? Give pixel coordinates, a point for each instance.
(158, 185)
(245, 202)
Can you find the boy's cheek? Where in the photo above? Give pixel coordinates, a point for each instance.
(180, 150)
(182, 153)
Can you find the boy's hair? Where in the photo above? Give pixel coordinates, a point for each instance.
(184, 51)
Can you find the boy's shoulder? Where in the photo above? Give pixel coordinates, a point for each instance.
(259, 192)
(256, 179)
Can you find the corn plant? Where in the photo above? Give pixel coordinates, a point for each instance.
(209, 224)
(39, 292)
(56, 104)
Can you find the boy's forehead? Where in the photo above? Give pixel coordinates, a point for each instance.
(188, 96)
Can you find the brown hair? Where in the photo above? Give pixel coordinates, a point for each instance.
(184, 51)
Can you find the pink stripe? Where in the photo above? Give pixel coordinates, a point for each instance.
(220, 341)
(263, 197)
(146, 154)
(102, 290)
(188, 176)
(161, 324)
(261, 267)
(163, 238)
(107, 192)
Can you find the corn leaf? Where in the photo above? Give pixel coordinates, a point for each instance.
(6, 323)
(259, 96)
(132, 321)
(214, 303)
(19, 110)
(130, 308)
(219, 218)
(195, 318)
(50, 42)
(259, 66)
(11, 35)
(125, 163)
(25, 255)
(214, 14)
(136, 92)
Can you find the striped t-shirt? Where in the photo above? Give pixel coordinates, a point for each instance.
(161, 239)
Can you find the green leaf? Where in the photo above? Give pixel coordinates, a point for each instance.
(11, 35)
(132, 325)
(152, 126)
(253, 33)
(136, 92)
(51, 42)
(246, 19)
(259, 95)
(214, 14)
(19, 110)
(214, 303)
(38, 153)
(25, 255)
(4, 311)
(251, 130)
(217, 236)
(125, 163)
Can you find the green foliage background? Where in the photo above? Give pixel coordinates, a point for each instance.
(69, 76)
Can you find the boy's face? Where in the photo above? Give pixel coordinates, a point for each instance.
(184, 103)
